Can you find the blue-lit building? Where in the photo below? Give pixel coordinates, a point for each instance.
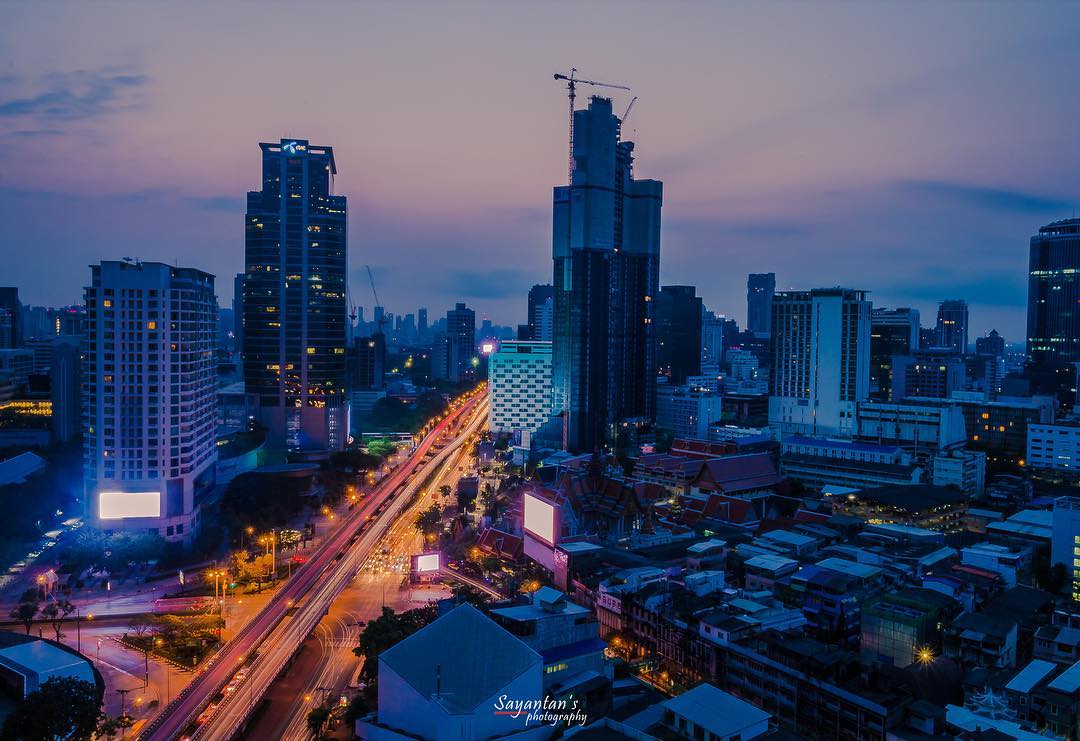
(606, 250)
(294, 308)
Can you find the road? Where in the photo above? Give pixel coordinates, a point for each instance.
(294, 610)
(328, 665)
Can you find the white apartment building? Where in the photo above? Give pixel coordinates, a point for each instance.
(821, 360)
(519, 375)
(1065, 539)
(149, 390)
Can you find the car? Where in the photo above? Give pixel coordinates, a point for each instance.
(34, 554)
(207, 714)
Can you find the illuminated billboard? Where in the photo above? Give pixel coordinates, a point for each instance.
(427, 562)
(116, 505)
(540, 518)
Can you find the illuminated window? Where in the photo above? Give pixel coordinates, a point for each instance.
(107, 303)
(151, 325)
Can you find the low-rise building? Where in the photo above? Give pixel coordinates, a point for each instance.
(930, 507)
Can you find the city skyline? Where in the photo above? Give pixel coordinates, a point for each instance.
(909, 134)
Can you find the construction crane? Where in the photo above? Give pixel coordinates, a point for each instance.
(626, 113)
(382, 317)
(571, 87)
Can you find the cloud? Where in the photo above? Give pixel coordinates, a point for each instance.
(218, 203)
(499, 283)
(77, 95)
(985, 197)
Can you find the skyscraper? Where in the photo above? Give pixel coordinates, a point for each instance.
(541, 309)
(893, 333)
(238, 312)
(1053, 323)
(952, 325)
(10, 318)
(150, 393)
(760, 288)
(452, 358)
(421, 325)
(678, 330)
(821, 360)
(294, 297)
(606, 250)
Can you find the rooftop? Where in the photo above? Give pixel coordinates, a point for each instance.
(472, 655)
(716, 711)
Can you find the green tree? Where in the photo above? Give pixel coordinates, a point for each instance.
(27, 609)
(61, 708)
(445, 490)
(56, 612)
(429, 520)
(381, 447)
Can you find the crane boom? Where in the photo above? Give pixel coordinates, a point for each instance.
(571, 87)
(371, 278)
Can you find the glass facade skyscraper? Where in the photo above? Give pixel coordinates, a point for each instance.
(294, 303)
(1053, 317)
(606, 250)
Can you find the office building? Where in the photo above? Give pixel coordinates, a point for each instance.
(368, 362)
(455, 350)
(541, 312)
(893, 332)
(149, 387)
(760, 288)
(10, 318)
(990, 361)
(421, 325)
(519, 375)
(294, 313)
(238, 312)
(606, 253)
(922, 427)
(687, 412)
(677, 314)
(1053, 324)
(951, 330)
(716, 331)
(65, 383)
(821, 360)
(934, 372)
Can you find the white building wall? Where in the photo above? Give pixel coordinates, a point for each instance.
(520, 386)
(1053, 447)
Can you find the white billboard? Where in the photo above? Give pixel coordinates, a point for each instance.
(540, 518)
(115, 505)
(427, 562)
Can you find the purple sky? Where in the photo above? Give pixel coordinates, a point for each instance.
(909, 149)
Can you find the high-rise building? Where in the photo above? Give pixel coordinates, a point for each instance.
(541, 309)
(520, 386)
(421, 325)
(10, 318)
(238, 311)
(821, 360)
(294, 297)
(952, 325)
(65, 379)
(934, 373)
(893, 332)
(760, 288)
(990, 357)
(606, 250)
(713, 336)
(678, 332)
(149, 394)
(369, 360)
(452, 359)
(1065, 539)
(1053, 323)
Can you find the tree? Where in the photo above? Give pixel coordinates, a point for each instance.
(445, 490)
(429, 520)
(387, 630)
(316, 720)
(140, 624)
(61, 708)
(263, 502)
(56, 612)
(382, 448)
(27, 609)
(110, 728)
